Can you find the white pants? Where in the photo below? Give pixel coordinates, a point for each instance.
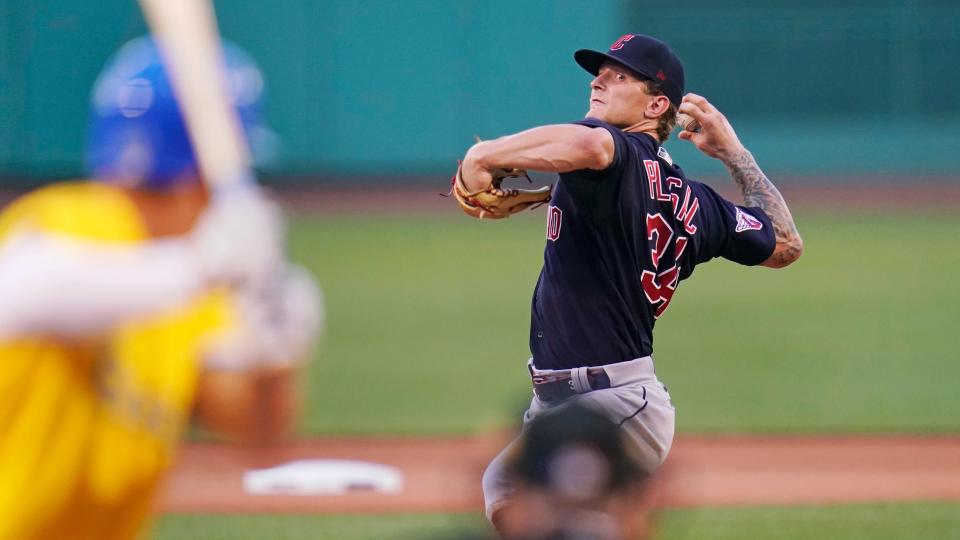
(636, 401)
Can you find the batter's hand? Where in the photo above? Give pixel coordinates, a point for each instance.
(239, 237)
(716, 137)
(279, 319)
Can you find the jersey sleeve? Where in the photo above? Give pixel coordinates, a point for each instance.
(620, 153)
(595, 191)
(740, 234)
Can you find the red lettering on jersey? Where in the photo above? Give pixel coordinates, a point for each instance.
(618, 44)
(687, 210)
(659, 228)
(659, 288)
(554, 222)
(688, 225)
(680, 211)
(674, 182)
(653, 176)
(682, 242)
(654, 179)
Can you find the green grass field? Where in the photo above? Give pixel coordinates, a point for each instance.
(427, 332)
(929, 521)
(428, 321)
(311, 527)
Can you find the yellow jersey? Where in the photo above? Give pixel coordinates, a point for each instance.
(88, 427)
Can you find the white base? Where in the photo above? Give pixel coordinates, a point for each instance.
(323, 477)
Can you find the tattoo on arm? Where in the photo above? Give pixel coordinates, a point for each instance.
(759, 191)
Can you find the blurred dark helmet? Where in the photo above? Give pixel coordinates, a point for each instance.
(578, 453)
(136, 134)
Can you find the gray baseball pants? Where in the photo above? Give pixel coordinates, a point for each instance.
(636, 400)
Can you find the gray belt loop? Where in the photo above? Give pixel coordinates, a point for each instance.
(579, 380)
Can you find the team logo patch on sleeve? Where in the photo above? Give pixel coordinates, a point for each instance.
(746, 222)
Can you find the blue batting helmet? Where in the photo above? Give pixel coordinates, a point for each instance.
(136, 133)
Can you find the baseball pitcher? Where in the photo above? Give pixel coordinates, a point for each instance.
(624, 227)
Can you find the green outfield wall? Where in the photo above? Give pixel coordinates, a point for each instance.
(378, 87)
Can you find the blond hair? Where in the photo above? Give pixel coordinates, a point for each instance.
(667, 120)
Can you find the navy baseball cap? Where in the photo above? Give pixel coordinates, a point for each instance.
(645, 55)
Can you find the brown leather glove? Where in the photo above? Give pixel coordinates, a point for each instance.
(494, 201)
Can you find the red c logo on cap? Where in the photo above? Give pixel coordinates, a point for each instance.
(618, 44)
(661, 75)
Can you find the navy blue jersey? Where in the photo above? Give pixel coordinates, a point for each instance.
(619, 241)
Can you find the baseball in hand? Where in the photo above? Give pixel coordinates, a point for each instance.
(685, 121)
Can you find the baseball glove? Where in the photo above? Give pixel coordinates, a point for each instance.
(494, 201)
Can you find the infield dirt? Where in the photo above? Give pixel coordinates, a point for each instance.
(443, 474)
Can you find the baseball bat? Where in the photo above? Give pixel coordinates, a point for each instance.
(186, 33)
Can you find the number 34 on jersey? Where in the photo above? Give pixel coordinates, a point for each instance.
(659, 285)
